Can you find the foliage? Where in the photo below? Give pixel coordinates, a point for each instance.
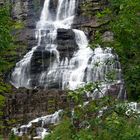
(7, 47)
(12, 137)
(4, 88)
(104, 118)
(62, 131)
(5, 33)
(8, 50)
(78, 94)
(5, 27)
(126, 28)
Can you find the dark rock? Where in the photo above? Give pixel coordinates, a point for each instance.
(66, 43)
(90, 23)
(65, 34)
(31, 23)
(43, 57)
(1, 2)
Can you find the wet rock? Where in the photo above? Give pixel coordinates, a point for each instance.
(66, 43)
(65, 34)
(1, 2)
(89, 22)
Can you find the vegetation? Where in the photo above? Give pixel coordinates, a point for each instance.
(5, 42)
(8, 50)
(105, 118)
(126, 28)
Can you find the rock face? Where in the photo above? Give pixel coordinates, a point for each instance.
(28, 104)
(86, 18)
(1, 2)
(66, 43)
(27, 12)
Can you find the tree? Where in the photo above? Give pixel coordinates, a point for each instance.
(125, 25)
(5, 28)
(6, 25)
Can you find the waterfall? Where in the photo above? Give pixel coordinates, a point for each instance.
(86, 64)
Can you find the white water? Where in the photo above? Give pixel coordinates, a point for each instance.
(81, 59)
(103, 64)
(133, 107)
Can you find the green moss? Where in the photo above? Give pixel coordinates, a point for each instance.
(1, 138)
(9, 54)
(2, 103)
(19, 25)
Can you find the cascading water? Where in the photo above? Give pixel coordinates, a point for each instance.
(67, 72)
(46, 34)
(79, 61)
(41, 132)
(83, 67)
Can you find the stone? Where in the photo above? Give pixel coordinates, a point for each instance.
(27, 12)
(1, 2)
(66, 43)
(65, 34)
(107, 36)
